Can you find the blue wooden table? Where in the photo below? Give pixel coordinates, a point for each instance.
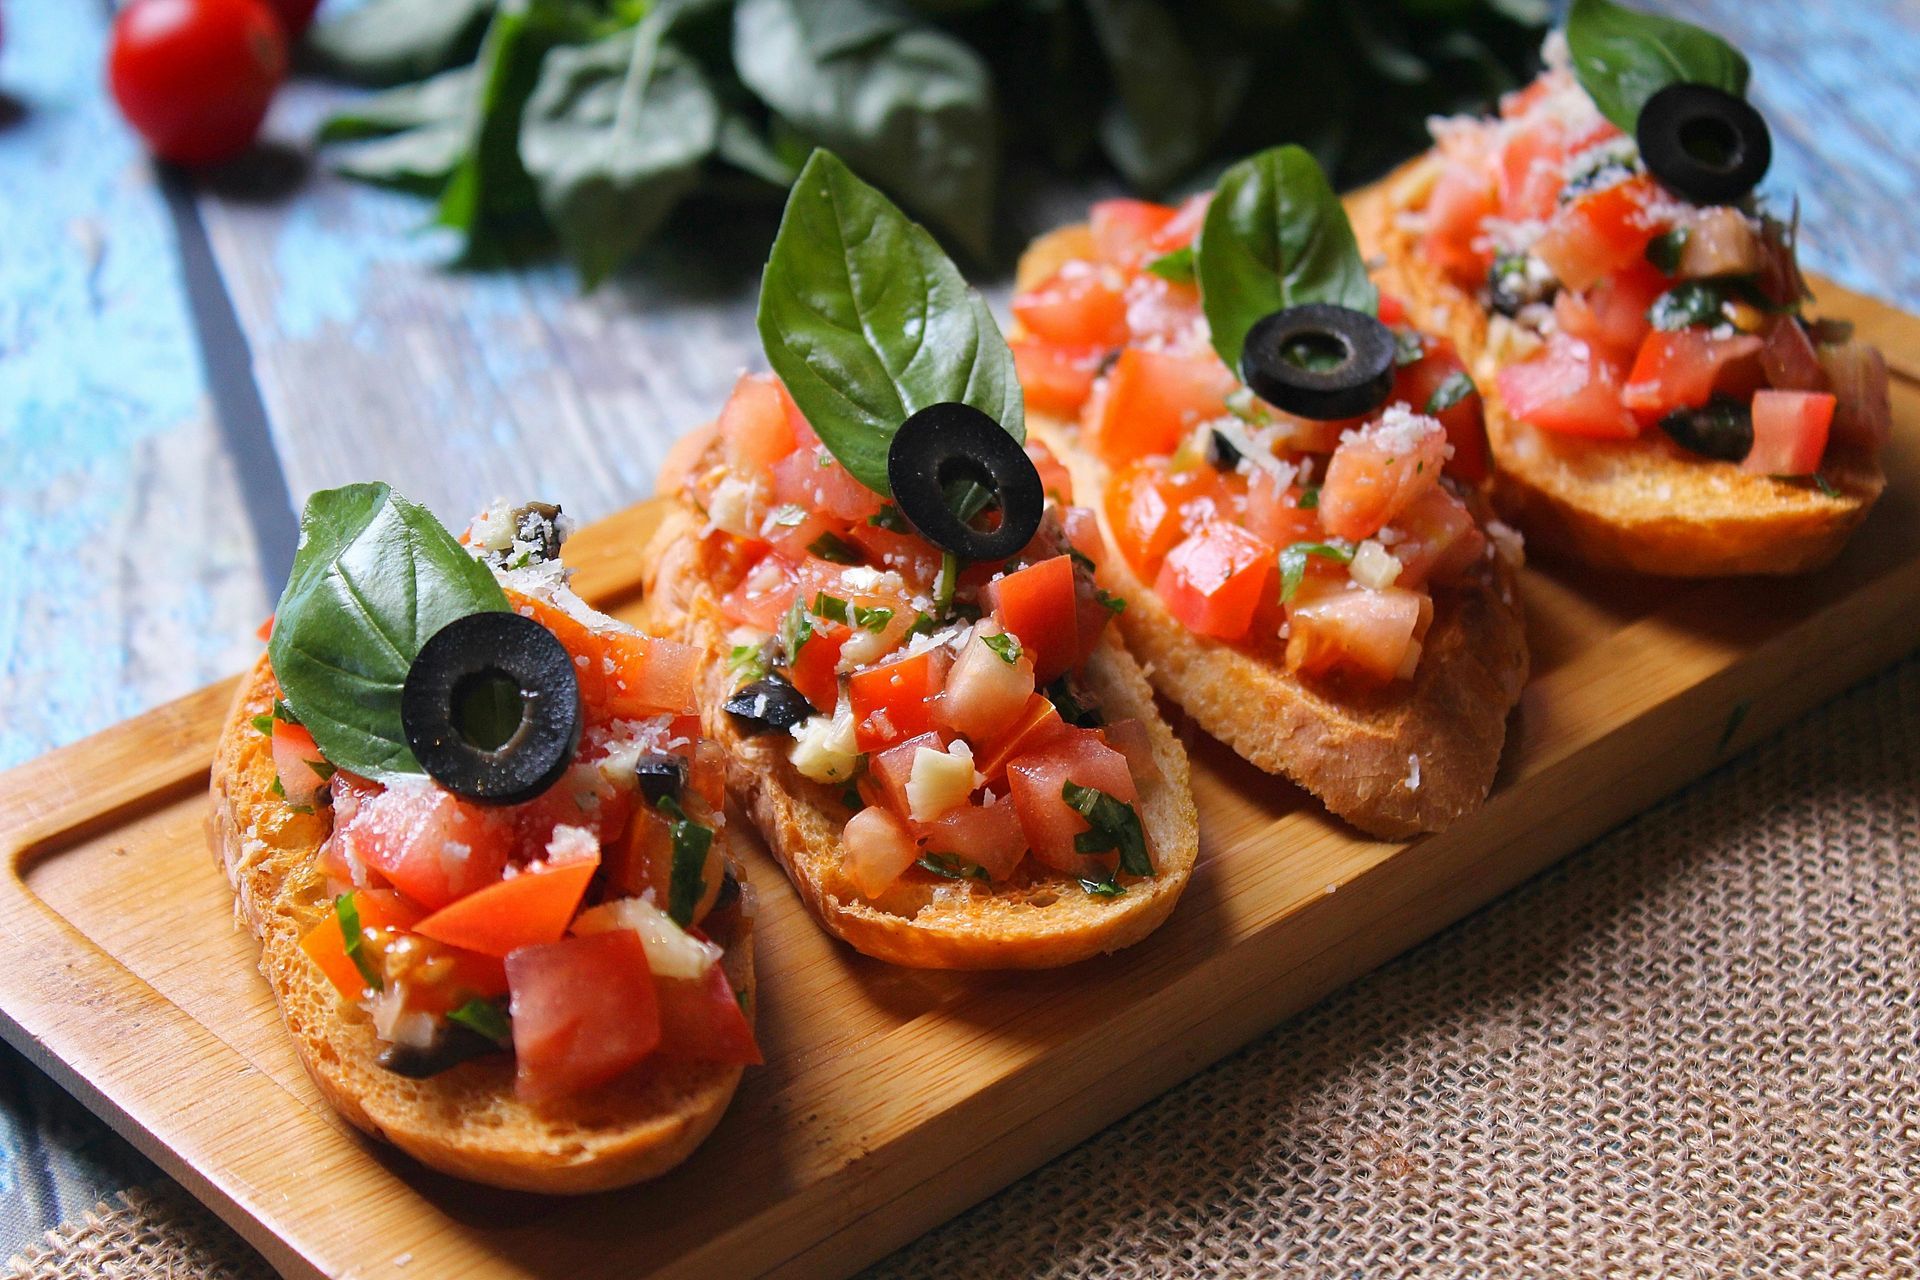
(181, 364)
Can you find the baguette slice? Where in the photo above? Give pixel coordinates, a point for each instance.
(1642, 505)
(1393, 762)
(1038, 920)
(466, 1121)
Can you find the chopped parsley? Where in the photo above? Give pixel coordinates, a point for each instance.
(1176, 266)
(1824, 485)
(889, 517)
(1006, 644)
(1080, 558)
(691, 841)
(1663, 251)
(953, 867)
(1310, 497)
(1109, 601)
(1457, 387)
(1073, 709)
(832, 608)
(943, 587)
(488, 1017)
(1409, 347)
(1108, 888)
(264, 723)
(1115, 826)
(923, 625)
(347, 912)
(833, 547)
(1293, 563)
(876, 619)
(795, 630)
(748, 662)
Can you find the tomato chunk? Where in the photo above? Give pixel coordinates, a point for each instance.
(428, 843)
(895, 699)
(1601, 232)
(1080, 305)
(297, 762)
(754, 427)
(1037, 604)
(890, 770)
(326, 945)
(584, 1012)
(1037, 779)
(1152, 399)
(876, 848)
(1367, 634)
(990, 836)
(1790, 431)
(1683, 369)
(701, 1019)
(1416, 384)
(1056, 379)
(1123, 230)
(533, 907)
(1378, 471)
(1612, 314)
(1215, 579)
(1570, 389)
(1462, 200)
(1037, 724)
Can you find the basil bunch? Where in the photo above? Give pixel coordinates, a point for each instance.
(587, 122)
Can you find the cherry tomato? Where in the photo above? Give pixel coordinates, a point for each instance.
(194, 77)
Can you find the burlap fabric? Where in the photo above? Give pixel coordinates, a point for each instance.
(1693, 1049)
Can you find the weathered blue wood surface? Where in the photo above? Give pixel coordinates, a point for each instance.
(134, 572)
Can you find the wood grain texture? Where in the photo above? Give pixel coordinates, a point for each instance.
(890, 1098)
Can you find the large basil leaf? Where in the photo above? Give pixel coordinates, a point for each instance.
(1275, 236)
(868, 322)
(1622, 57)
(419, 133)
(374, 576)
(897, 98)
(614, 135)
(388, 41)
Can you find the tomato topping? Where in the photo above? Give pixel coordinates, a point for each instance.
(1863, 419)
(1684, 368)
(1056, 379)
(622, 674)
(1531, 171)
(754, 427)
(427, 842)
(1441, 541)
(1789, 432)
(533, 907)
(584, 1011)
(1612, 314)
(1124, 230)
(895, 699)
(327, 945)
(1037, 779)
(1150, 508)
(1178, 231)
(1415, 384)
(763, 595)
(815, 669)
(985, 692)
(1080, 305)
(701, 1019)
(1567, 388)
(1378, 471)
(1038, 605)
(1462, 199)
(988, 835)
(1789, 360)
(1057, 483)
(297, 762)
(1215, 579)
(813, 479)
(876, 848)
(890, 770)
(1366, 634)
(1152, 399)
(1130, 738)
(1601, 232)
(1037, 724)
(1275, 516)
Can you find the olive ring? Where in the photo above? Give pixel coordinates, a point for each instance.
(944, 444)
(1357, 377)
(1702, 143)
(458, 707)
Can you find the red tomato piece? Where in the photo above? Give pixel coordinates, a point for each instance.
(1462, 200)
(1161, 311)
(583, 797)
(1083, 304)
(1056, 379)
(1178, 231)
(813, 479)
(1055, 480)
(1038, 605)
(525, 910)
(1152, 400)
(298, 763)
(1464, 420)
(1789, 360)
(1863, 419)
(1123, 230)
(1378, 471)
(1567, 388)
(876, 849)
(1790, 431)
(1130, 738)
(427, 842)
(1275, 516)
(1214, 580)
(891, 769)
(1035, 727)
(1531, 171)
(1601, 232)
(1442, 541)
(584, 1012)
(1037, 779)
(326, 945)
(701, 1019)
(762, 596)
(754, 427)
(195, 77)
(1612, 314)
(1684, 368)
(815, 669)
(1369, 635)
(895, 699)
(988, 835)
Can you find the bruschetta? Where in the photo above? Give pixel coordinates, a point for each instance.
(480, 838)
(925, 710)
(1318, 586)
(1659, 397)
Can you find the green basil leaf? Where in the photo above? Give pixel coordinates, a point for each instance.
(1176, 266)
(488, 1017)
(1622, 57)
(1689, 303)
(832, 608)
(1115, 823)
(893, 95)
(1275, 236)
(614, 135)
(953, 867)
(691, 841)
(374, 577)
(868, 322)
(1108, 888)
(1454, 388)
(1006, 646)
(390, 41)
(1293, 562)
(1664, 250)
(263, 724)
(796, 628)
(834, 549)
(347, 912)
(410, 139)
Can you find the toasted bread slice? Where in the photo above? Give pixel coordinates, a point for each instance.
(1394, 762)
(1643, 505)
(1038, 920)
(465, 1121)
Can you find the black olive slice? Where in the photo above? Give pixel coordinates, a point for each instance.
(1319, 361)
(491, 708)
(942, 447)
(1721, 429)
(660, 776)
(451, 1045)
(1703, 144)
(769, 705)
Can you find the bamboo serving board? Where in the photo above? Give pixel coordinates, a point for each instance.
(891, 1098)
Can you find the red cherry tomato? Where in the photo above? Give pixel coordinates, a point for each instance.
(194, 77)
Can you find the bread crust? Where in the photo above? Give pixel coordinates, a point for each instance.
(1036, 921)
(466, 1121)
(1640, 505)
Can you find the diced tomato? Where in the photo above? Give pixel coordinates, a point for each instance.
(891, 769)
(1518, 102)
(762, 596)
(1161, 310)
(895, 699)
(1463, 199)
(754, 426)
(988, 835)
(633, 861)
(1370, 635)
(1682, 369)
(297, 761)
(1037, 604)
(622, 674)
(913, 558)
(1146, 505)
(1414, 384)
(701, 1020)
(1393, 312)
(814, 671)
(1056, 379)
(265, 630)
(1179, 230)
(876, 848)
(533, 907)
(1275, 516)
(1720, 242)
(583, 797)
(1037, 779)
(793, 529)
(1441, 540)
(1055, 480)
(1863, 419)
(1123, 230)
(984, 692)
(1037, 724)
(813, 479)
(1601, 232)
(1081, 305)
(584, 1012)
(427, 842)
(1214, 580)
(1530, 172)
(1612, 314)
(1152, 400)
(326, 945)
(1130, 738)
(1789, 432)
(1568, 388)
(1790, 362)
(1377, 472)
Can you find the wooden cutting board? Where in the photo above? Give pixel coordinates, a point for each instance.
(891, 1098)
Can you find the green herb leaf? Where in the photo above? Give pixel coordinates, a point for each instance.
(945, 584)
(1824, 485)
(889, 517)
(1664, 250)
(1310, 497)
(1176, 266)
(1293, 563)
(867, 322)
(374, 577)
(923, 625)
(1622, 57)
(832, 547)
(1115, 826)
(1457, 386)
(876, 619)
(389, 41)
(953, 867)
(830, 607)
(348, 913)
(263, 723)
(747, 662)
(1006, 645)
(488, 1017)
(1108, 601)
(691, 841)
(1689, 303)
(1108, 888)
(795, 630)
(1275, 236)
(410, 138)
(894, 95)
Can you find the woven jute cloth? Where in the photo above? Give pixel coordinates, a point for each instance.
(1693, 1049)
